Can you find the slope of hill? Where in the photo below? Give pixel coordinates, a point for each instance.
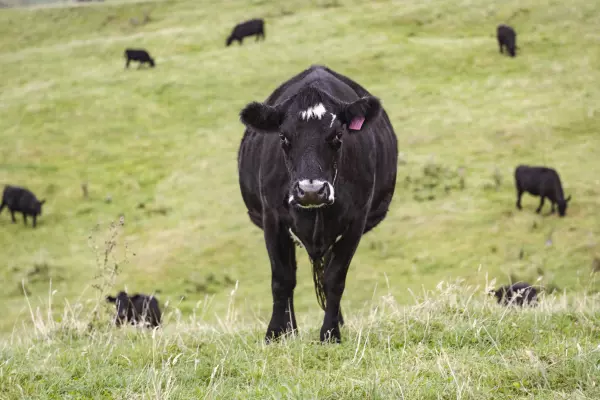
(157, 150)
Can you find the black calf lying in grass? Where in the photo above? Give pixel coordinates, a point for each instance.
(520, 294)
(543, 182)
(21, 200)
(136, 309)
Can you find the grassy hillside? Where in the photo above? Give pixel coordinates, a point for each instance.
(449, 344)
(157, 149)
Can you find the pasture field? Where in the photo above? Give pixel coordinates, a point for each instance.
(157, 149)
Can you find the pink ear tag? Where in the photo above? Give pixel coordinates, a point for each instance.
(356, 123)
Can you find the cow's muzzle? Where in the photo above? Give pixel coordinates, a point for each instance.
(312, 193)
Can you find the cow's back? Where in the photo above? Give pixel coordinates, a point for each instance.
(249, 27)
(16, 197)
(505, 31)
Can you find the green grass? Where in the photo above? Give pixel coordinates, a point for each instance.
(167, 138)
(449, 344)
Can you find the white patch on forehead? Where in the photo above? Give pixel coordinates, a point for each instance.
(317, 111)
(333, 117)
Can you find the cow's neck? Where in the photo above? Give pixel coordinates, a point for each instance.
(310, 229)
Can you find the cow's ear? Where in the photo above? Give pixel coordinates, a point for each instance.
(360, 113)
(42, 201)
(568, 199)
(111, 299)
(262, 118)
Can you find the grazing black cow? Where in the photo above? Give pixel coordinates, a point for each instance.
(507, 37)
(317, 164)
(543, 182)
(136, 309)
(248, 28)
(19, 199)
(138, 55)
(520, 294)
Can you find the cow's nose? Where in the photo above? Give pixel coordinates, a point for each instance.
(311, 193)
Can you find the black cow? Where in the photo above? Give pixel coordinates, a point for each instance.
(248, 28)
(317, 163)
(19, 199)
(140, 55)
(543, 182)
(136, 309)
(507, 37)
(520, 294)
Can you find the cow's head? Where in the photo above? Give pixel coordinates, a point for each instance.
(562, 206)
(37, 206)
(500, 293)
(122, 306)
(311, 127)
(229, 40)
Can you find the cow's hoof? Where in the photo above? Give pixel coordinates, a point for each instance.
(274, 333)
(330, 335)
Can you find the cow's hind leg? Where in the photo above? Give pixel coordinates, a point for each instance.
(282, 255)
(539, 209)
(24, 218)
(335, 280)
(12, 216)
(519, 195)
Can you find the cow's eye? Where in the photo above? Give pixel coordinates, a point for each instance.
(285, 142)
(336, 140)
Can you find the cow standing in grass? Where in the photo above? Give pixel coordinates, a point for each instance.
(138, 55)
(519, 294)
(136, 309)
(543, 182)
(507, 37)
(19, 199)
(248, 28)
(317, 164)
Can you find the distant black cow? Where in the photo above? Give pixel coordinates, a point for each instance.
(317, 164)
(19, 199)
(520, 294)
(543, 182)
(507, 37)
(248, 28)
(138, 55)
(136, 309)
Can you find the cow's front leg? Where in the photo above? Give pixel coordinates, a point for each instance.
(335, 280)
(282, 255)
(539, 209)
